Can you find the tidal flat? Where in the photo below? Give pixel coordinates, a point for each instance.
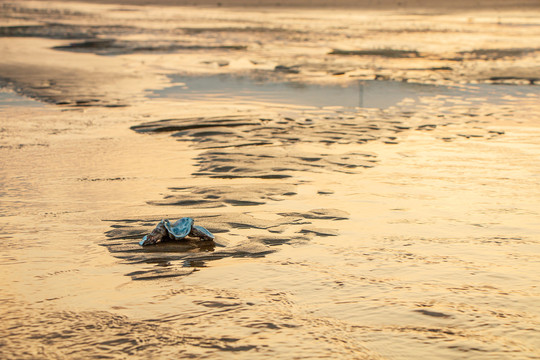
(372, 176)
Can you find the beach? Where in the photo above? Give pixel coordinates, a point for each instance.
(370, 172)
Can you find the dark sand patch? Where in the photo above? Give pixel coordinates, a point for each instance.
(223, 195)
(61, 85)
(65, 31)
(496, 54)
(389, 53)
(122, 47)
(277, 163)
(182, 124)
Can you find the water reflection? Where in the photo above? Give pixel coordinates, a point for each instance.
(10, 98)
(359, 93)
(373, 94)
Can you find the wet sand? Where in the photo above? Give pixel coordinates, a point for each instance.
(396, 230)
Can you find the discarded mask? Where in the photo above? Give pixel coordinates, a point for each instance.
(177, 231)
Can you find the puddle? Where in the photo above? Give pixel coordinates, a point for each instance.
(9, 99)
(358, 94)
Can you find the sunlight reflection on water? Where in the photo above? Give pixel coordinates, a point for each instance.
(10, 98)
(355, 94)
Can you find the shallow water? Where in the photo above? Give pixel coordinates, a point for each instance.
(12, 99)
(359, 93)
(387, 233)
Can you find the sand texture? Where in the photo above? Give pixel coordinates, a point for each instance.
(371, 174)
